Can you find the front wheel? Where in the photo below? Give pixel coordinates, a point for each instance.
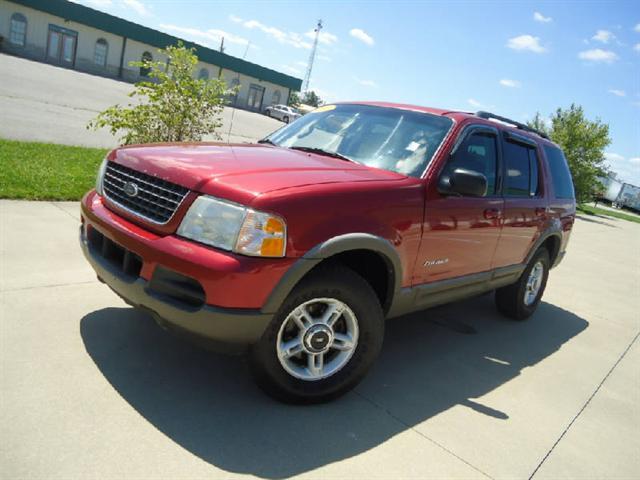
(286, 119)
(322, 341)
(519, 300)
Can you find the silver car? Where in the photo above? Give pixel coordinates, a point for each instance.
(282, 112)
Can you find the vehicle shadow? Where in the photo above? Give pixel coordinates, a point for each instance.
(207, 403)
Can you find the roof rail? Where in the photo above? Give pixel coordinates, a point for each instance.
(518, 125)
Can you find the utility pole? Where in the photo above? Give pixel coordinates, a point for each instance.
(312, 57)
(222, 45)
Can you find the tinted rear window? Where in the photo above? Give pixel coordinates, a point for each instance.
(560, 175)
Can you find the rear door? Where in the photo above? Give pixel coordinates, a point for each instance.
(525, 207)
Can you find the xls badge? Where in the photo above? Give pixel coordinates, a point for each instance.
(435, 262)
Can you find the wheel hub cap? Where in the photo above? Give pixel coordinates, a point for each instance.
(534, 282)
(318, 338)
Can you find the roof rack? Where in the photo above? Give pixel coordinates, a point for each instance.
(518, 125)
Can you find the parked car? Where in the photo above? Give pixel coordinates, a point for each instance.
(282, 112)
(296, 249)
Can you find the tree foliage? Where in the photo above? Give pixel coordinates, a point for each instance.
(311, 98)
(294, 99)
(583, 142)
(172, 106)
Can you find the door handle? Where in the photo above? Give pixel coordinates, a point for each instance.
(491, 213)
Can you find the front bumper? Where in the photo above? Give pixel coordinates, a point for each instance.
(226, 329)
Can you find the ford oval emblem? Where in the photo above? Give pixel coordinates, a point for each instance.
(131, 189)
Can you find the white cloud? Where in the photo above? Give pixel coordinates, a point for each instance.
(603, 36)
(617, 93)
(362, 36)
(526, 42)
(627, 169)
(290, 69)
(505, 82)
(326, 58)
(475, 103)
(288, 38)
(538, 17)
(211, 37)
(235, 18)
(598, 55)
(636, 47)
(136, 5)
(637, 27)
(366, 83)
(324, 37)
(613, 157)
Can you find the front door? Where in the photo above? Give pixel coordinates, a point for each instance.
(61, 46)
(525, 210)
(254, 100)
(461, 233)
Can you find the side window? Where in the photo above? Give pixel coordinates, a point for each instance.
(18, 29)
(203, 74)
(560, 174)
(477, 152)
(276, 97)
(521, 170)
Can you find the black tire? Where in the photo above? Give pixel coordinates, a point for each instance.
(268, 113)
(335, 282)
(510, 300)
(285, 119)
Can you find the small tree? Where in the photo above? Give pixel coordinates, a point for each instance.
(294, 99)
(174, 106)
(311, 98)
(583, 142)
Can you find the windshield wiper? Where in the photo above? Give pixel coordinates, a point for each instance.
(267, 141)
(327, 153)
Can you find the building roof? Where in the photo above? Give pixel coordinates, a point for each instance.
(124, 28)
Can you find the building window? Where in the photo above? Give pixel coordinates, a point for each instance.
(18, 30)
(204, 74)
(146, 57)
(275, 99)
(100, 54)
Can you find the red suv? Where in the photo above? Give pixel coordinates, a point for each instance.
(296, 249)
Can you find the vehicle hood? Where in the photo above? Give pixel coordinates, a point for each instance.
(241, 172)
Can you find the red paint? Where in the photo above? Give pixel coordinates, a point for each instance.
(321, 197)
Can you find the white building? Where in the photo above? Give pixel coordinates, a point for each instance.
(78, 37)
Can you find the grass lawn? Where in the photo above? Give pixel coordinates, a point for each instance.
(588, 210)
(44, 171)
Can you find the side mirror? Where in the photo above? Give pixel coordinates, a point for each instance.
(461, 181)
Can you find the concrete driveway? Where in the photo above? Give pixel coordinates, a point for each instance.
(93, 389)
(45, 103)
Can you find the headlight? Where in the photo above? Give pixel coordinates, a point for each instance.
(100, 177)
(230, 226)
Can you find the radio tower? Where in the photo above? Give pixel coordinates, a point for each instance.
(312, 57)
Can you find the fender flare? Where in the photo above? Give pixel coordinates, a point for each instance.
(554, 230)
(328, 249)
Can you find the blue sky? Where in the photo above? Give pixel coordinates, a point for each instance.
(513, 58)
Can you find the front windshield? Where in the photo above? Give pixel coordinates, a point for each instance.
(402, 141)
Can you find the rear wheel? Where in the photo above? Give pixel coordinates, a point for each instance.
(322, 341)
(519, 300)
(285, 119)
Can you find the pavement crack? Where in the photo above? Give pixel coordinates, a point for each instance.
(585, 405)
(65, 211)
(48, 286)
(426, 437)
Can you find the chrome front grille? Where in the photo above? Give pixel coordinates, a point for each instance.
(149, 197)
